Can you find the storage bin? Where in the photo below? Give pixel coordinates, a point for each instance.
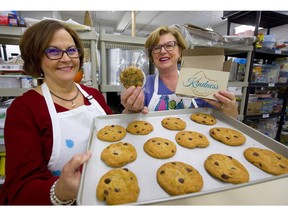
(283, 77)
(267, 105)
(268, 44)
(10, 82)
(269, 73)
(268, 41)
(267, 127)
(283, 70)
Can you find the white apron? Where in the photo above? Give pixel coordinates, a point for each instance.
(70, 129)
(169, 102)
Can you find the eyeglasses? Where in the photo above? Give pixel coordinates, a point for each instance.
(169, 46)
(55, 54)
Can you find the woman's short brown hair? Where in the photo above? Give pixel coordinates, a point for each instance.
(37, 38)
(154, 38)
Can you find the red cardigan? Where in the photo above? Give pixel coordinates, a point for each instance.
(28, 142)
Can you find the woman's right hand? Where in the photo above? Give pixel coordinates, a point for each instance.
(69, 180)
(133, 100)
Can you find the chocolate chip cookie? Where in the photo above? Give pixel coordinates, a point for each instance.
(227, 136)
(267, 160)
(203, 118)
(191, 139)
(132, 76)
(226, 169)
(139, 127)
(119, 154)
(178, 178)
(118, 186)
(111, 133)
(161, 148)
(173, 123)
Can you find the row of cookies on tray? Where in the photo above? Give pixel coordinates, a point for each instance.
(120, 185)
(113, 133)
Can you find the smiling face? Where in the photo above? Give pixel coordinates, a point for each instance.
(63, 69)
(166, 60)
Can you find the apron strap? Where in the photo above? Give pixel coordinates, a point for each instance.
(90, 98)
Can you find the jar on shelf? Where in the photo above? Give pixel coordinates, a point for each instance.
(269, 41)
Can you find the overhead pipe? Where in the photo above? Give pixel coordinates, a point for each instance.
(133, 32)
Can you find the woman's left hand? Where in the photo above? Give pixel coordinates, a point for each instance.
(226, 102)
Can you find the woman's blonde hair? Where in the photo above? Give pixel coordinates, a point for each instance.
(154, 38)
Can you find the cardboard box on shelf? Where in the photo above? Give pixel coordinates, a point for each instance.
(254, 108)
(12, 18)
(202, 73)
(4, 21)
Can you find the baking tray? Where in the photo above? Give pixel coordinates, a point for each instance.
(145, 167)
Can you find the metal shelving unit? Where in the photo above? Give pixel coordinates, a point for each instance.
(267, 20)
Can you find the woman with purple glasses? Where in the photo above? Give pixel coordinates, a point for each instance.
(47, 128)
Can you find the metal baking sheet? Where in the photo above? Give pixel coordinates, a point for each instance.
(145, 167)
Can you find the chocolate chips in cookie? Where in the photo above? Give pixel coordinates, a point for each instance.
(267, 160)
(111, 133)
(119, 154)
(173, 123)
(203, 118)
(118, 186)
(191, 139)
(178, 178)
(226, 169)
(160, 148)
(139, 127)
(227, 136)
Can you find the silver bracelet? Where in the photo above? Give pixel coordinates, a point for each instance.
(55, 200)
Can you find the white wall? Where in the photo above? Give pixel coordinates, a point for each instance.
(280, 32)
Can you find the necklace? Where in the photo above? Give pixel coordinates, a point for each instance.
(69, 100)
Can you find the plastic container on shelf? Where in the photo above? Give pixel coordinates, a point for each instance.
(241, 68)
(277, 105)
(269, 41)
(269, 73)
(283, 70)
(267, 127)
(256, 75)
(268, 45)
